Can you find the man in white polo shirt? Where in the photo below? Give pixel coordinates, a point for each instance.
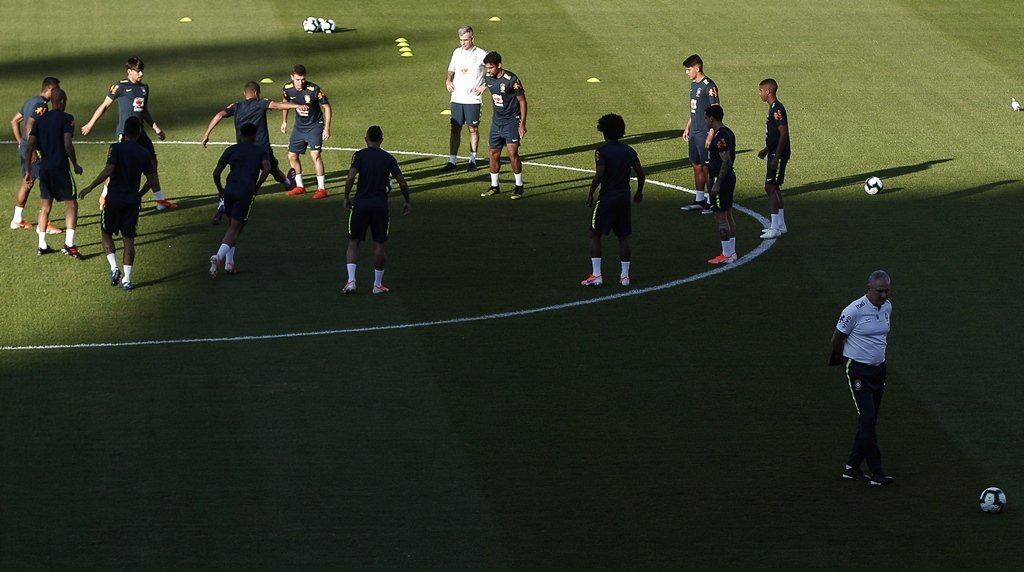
(465, 81)
(858, 344)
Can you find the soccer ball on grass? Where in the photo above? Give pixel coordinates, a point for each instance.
(993, 500)
(311, 25)
(873, 186)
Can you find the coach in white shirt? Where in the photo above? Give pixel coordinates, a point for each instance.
(858, 344)
(465, 81)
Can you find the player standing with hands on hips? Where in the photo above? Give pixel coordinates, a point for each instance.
(465, 81)
(858, 344)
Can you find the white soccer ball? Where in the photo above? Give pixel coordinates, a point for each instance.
(310, 25)
(322, 23)
(329, 26)
(873, 185)
(993, 500)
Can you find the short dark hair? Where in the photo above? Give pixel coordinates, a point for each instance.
(299, 69)
(248, 131)
(694, 60)
(493, 58)
(50, 82)
(375, 134)
(134, 63)
(251, 86)
(715, 111)
(771, 83)
(57, 96)
(612, 125)
(132, 127)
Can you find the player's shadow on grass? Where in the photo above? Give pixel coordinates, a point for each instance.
(963, 193)
(172, 277)
(859, 178)
(590, 147)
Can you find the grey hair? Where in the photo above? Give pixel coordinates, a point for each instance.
(878, 275)
(466, 30)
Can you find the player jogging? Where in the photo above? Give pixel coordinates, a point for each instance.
(722, 182)
(614, 161)
(33, 109)
(508, 123)
(127, 161)
(51, 135)
(250, 165)
(374, 168)
(253, 110)
(132, 97)
(312, 128)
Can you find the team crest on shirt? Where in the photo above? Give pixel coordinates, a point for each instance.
(502, 88)
(143, 88)
(307, 98)
(698, 91)
(516, 86)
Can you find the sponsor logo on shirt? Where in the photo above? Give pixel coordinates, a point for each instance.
(138, 104)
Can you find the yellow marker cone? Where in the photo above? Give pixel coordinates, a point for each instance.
(494, 19)
(405, 49)
(446, 112)
(401, 40)
(593, 80)
(185, 20)
(406, 54)
(266, 80)
(402, 44)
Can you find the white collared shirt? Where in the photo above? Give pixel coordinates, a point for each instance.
(866, 327)
(468, 67)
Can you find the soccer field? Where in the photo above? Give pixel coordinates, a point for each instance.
(489, 413)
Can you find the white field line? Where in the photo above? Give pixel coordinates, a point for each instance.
(761, 248)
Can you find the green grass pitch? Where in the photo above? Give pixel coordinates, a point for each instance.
(691, 427)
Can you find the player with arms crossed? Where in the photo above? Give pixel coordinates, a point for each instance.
(127, 161)
(374, 168)
(312, 128)
(697, 133)
(612, 211)
(465, 81)
(51, 134)
(722, 182)
(33, 109)
(253, 110)
(508, 122)
(776, 149)
(250, 165)
(132, 97)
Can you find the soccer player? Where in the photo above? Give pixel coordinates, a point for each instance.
(132, 97)
(776, 148)
(612, 211)
(508, 123)
(127, 161)
(722, 182)
(51, 135)
(697, 133)
(253, 110)
(312, 128)
(374, 168)
(33, 109)
(465, 81)
(858, 344)
(250, 165)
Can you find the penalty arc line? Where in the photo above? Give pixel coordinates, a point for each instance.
(759, 250)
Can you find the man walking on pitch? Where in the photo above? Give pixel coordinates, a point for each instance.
(51, 135)
(312, 128)
(465, 81)
(508, 122)
(253, 110)
(127, 161)
(33, 109)
(132, 97)
(374, 168)
(858, 344)
(250, 165)
(697, 133)
(614, 161)
(776, 149)
(722, 182)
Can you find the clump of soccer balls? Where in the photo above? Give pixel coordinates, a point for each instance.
(873, 185)
(993, 500)
(312, 25)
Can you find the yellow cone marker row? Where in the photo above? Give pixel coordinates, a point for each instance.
(266, 80)
(446, 112)
(593, 80)
(185, 20)
(403, 47)
(494, 19)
